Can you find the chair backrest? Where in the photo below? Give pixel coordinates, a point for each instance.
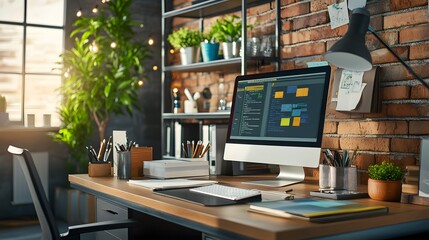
(43, 209)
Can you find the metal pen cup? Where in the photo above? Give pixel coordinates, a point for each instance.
(337, 178)
(124, 165)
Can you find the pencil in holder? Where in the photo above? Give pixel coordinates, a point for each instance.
(337, 178)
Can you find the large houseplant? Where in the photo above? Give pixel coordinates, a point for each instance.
(385, 181)
(187, 41)
(101, 72)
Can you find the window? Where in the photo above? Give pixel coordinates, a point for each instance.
(31, 40)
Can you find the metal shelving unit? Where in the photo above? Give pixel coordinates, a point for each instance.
(200, 10)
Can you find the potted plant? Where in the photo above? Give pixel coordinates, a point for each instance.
(188, 41)
(385, 181)
(101, 77)
(228, 31)
(4, 116)
(210, 46)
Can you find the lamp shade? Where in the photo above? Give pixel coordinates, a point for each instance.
(350, 52)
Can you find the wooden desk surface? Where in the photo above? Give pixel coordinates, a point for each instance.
(237, 219)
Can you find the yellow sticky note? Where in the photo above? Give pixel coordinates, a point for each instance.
(285, 122)
(278, 94)
(296, 121)
(302, 92)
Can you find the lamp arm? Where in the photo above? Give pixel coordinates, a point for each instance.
(410, 70)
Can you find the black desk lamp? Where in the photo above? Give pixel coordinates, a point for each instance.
(351, 53)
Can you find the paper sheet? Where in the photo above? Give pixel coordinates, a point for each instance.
(350, 90)
(338, 14)
(157, 184)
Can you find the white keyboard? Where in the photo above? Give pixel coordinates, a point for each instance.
(227, 192)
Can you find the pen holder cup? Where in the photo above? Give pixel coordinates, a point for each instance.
(102, 169)
(138, 156)
(337, 178)
(124, 165)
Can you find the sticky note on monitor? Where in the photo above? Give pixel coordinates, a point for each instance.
(302, 92)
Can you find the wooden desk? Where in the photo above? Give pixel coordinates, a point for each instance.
(236, 222)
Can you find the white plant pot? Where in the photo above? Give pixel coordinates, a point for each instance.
(4, 118)
(231, 49)
(189, 55)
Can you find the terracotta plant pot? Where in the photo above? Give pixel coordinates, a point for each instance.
(385, 190)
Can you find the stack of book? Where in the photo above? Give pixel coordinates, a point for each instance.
(176, 168)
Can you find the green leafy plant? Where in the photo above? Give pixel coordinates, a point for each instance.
(184, 37)
(101, 72)
(385, 171)
(227, 29)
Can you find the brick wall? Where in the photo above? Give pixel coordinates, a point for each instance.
(392, 134)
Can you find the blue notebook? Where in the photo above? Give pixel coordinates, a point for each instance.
(317, 210)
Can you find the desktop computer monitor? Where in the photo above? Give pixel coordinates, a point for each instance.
(278, 118)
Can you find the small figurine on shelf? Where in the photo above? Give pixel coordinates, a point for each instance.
(176, 100)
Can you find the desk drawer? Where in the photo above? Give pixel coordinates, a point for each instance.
(111, 211)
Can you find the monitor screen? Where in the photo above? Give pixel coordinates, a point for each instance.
(278, 117)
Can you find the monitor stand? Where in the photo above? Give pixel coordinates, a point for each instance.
(288, 175)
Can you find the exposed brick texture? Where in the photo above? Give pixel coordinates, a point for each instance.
(372, 127)
(396, 92)
(420, 51)
(295, 10)
(405, 145)
(393, 134)
(413, 34)
(406, 18)
(404, 4)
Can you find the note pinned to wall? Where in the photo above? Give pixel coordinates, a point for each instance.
(350, 90)
(338, 14)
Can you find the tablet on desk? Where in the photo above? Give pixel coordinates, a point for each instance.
(203, 199)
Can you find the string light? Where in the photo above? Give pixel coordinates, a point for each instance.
(113, 45)
(155, 67)
(104, 1)
(66, 74)
(95, 9)
(140, 83)
(79, 13)
(150, 41)
(171, 51)
(141, 25)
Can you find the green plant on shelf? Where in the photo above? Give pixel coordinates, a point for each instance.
(184, 37)
(385, 171)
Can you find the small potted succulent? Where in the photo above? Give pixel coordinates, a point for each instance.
(188, 41)
(385, 181)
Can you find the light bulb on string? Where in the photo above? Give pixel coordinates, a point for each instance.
(95, 9)
(79, 13)
(113, 45)
(140, 83)
(150, 41)
(155, 67)
(172, 51)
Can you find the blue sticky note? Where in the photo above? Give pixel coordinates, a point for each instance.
(296, 112)
(286, 108)
(291, 89)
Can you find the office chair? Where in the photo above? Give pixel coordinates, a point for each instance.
(44, 212)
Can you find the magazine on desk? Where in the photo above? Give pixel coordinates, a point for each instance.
(315, 210)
